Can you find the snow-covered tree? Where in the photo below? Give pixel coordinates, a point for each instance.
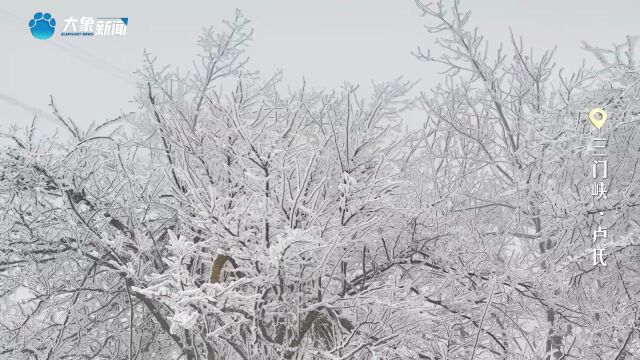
(228, 221)
(229, 218)
(507, 162)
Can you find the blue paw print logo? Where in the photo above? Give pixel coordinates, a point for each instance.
(42, 26)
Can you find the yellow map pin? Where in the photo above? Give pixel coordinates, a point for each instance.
(597, 121)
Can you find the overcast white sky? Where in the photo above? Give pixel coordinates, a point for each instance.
(328, 42)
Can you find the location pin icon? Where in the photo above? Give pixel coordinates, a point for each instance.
(597, 117)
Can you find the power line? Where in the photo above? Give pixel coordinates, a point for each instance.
(27, 107)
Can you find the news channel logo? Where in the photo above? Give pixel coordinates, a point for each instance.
(42, 25)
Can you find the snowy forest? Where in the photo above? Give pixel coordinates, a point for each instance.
(233, 218)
